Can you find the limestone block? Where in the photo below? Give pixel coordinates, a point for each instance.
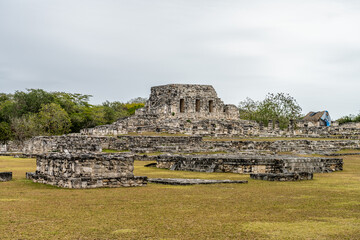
(5, 176)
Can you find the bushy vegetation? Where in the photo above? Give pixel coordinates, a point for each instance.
(37, 112)
(279, 107)
(349, 118)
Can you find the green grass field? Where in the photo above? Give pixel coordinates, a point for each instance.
(327, 207)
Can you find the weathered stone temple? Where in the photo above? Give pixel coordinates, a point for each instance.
(180, 108)
(197, 110)
(188, 102)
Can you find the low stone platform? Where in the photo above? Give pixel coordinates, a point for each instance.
(283, 176)
(87, 182)
(89, 170)
(182, 181)
(245, 163)
(5, 176)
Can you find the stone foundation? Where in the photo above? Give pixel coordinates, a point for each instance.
(70, 143)
(297, 146)
(283, 176)
(86, 170)
(5, 176)
(76, 143)
(145, 144)
(182, 181)
(247, 164)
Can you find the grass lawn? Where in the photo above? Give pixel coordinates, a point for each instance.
(327, 207)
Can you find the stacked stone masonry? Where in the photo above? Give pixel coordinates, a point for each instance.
(248, 164)
(283, 176)
(187, 101)
(175, 144)
(86, 170)
(182, 181)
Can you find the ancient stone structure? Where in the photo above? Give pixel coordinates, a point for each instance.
(175, 144)
(197, 110)
(68, 143)
(191, 112)
(339, 132)
(182, 181)
(242, 163)
(187, 101)
(298, 176)
(88, 170)
(146, 144)
(181, 108)
(5, 176)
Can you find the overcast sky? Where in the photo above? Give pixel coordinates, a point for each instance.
(117, 49)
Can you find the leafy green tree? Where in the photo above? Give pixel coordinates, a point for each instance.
(248, 109)
(25, 127)
(94, 116)
(349, 118)
(114, 111)
(5, 132)
(69, 101)
(53, 119)
(131, 107)
(7, 110)
(4, 97)
(77, 106)
(37, 112)
(279, 107)
(31, 101)
(134, 104)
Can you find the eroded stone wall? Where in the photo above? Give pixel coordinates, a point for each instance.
(146, 144)
(89, 170)
(241, 163)
(175, 144)
(296, 146)
(68, 143)
(283, 176)
(205, 127)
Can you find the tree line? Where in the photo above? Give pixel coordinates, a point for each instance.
(280, 107)
(349, 118)
(35, 112)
